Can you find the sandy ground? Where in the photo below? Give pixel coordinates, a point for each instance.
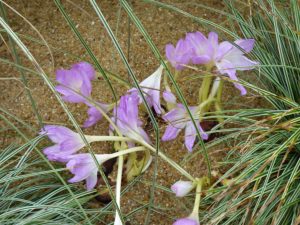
(163, 26)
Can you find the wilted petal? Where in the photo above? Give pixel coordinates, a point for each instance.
(182, 188)
(94, 114)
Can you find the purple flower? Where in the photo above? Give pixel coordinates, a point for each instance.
(180, 119)
(180, 55)
(169, 97)
(84, 167)
(66, 142)
(229, 59)
(202, 50)
(126, 118)
(186, 221)
(74, 81)
(94, 114)
(182, 188)
(151, 89)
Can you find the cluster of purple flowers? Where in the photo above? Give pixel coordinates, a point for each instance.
(75, 86)
(199, 50)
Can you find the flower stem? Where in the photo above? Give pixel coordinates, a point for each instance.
(195, 212)
(204, 89)
(92, 138)
(118, 189)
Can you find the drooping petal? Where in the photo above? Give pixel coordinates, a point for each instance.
(169, 97)
(182, 188)
(246, 44)
(226, 67)
(191, 133)
(91, 181)
(86, 69)
(171, 133)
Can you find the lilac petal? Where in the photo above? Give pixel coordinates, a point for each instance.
(246, 44)
(223, 49)
(169, 97)
(202, 59)
(170, 50)
(91, 181)
(85, 68)
(151, 88)
(69, 95)
(186, 221)
(58, 134)
(170, 133)
(144, 135)
(190, 136)
(180, 55)
(176, 116)
(94, 116)
(191, 133)
(182, 188)
(231, 73)
(51, 152)
(213, 39)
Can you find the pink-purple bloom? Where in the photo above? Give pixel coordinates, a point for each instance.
(198, 49)
(179, 119)
(66, 142)
(182, 188)
(186, 221)
(151, 90)
(75, 83)
(127, 119)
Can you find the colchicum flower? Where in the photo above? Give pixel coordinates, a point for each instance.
(74, 81)
(180, 119)
(180, 55)
(84, 167)
(182, 188)
(151, 89)
(94, 114)
(127, 120)
(207, 51)
(66, 142)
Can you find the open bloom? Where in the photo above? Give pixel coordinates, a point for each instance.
(127, 120)
(75, 84)
(66, 142)
(182, 188)
(180, 55)
(186, 221)
(229, 59)
(84, 167)
(180, 119)
(151, 89)
(94, 114)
